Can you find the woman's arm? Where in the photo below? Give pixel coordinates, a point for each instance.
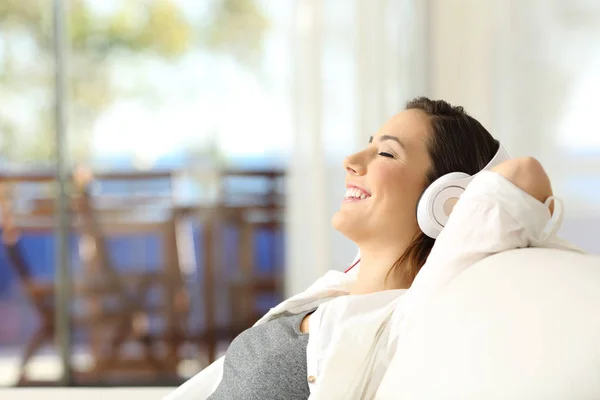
(500, 210)
(528, 175)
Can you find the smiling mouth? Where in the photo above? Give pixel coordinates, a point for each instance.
(354, 194)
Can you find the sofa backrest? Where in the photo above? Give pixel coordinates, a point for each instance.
(522, 324)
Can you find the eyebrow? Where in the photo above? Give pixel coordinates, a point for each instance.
(383, 138)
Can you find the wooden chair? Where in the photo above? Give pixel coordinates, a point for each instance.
(110, 328)
(40, 293)
(250, 213)
(131, 294)
(247, 285)
(237, 211)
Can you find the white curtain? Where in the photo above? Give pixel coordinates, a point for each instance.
(355, 63)
(530, 72)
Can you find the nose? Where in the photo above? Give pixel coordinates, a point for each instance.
(354, 166)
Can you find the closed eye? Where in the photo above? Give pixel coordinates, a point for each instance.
(384, 154)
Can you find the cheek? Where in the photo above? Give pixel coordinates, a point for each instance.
(399, 186)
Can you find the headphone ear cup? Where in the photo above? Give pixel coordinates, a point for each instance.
(437, 200)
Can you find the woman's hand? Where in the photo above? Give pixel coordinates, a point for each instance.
(528, 174)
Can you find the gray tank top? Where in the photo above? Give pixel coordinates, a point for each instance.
(267, 362)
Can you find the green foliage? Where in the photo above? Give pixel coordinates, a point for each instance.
(237, 27)
(154, 25)
(157, 26)
(150, 28)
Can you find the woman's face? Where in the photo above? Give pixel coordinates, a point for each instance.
(384, 182)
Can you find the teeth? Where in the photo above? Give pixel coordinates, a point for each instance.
(355, 193)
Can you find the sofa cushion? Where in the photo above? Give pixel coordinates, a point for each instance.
(522, 324)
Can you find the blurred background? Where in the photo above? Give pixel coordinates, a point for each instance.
(201, 143)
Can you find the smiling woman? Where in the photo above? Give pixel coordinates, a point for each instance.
(393, 169)
(414, 148)
(299, 349)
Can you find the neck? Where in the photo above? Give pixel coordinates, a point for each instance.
(375, 263)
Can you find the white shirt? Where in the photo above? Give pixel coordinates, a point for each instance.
(353, 337)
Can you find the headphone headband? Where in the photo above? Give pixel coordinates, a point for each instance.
(500, 156)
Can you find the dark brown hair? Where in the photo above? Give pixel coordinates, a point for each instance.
(457, 143)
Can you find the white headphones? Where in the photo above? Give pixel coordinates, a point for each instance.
(439, 198)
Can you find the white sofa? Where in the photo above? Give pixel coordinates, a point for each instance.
(523, 324)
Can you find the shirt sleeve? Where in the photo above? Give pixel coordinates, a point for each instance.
(492, 215)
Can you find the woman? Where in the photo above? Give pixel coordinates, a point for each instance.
(334, 340)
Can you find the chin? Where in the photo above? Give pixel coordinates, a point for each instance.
(337, 221)
(348, 225)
